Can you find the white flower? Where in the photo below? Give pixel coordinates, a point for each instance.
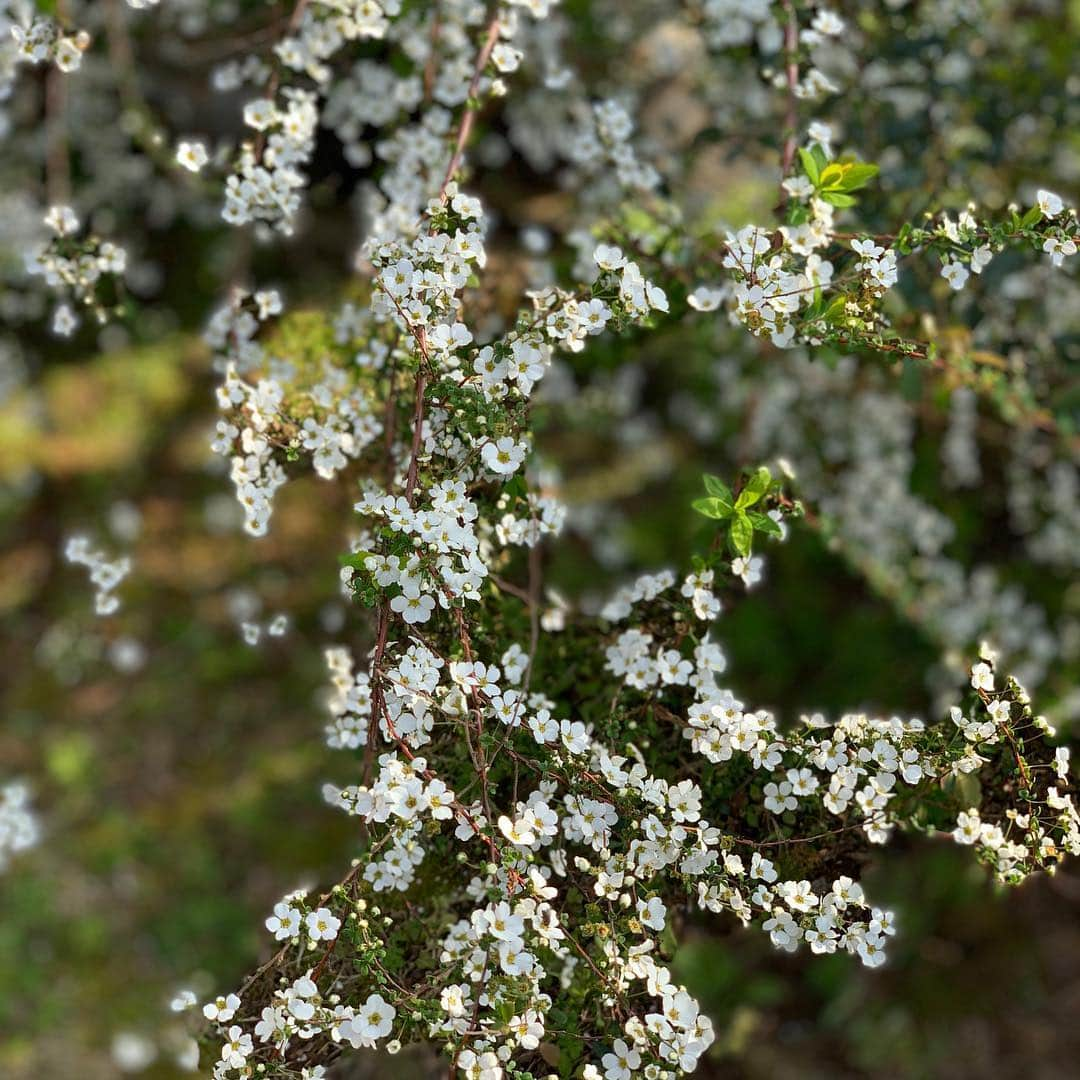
(184, 1000)
(621, 1063)
(322, 925)
(517, 832)
(609, 257)
(374, 1020)
(1049, 203)
(192, 156)
(260, 114)
(62, 220)
(750, 570)
(704, 298)
(285, 921)
(453, 999)
(652, 914)
(504, 456)
(1061, 762)
(821, 134)
(968, 827)
(1058, 249)
(222, 1009)
(468, 206)
(871, 950)
(505, 57)
(982, 677)
(828, 23)
(955, 273)
(413, 605)
(68, 55)
(981, 258)
(64, 322)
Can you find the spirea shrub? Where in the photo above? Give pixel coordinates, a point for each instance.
(544, 792)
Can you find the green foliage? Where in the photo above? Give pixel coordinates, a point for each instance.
(742, 522)
(834, 181)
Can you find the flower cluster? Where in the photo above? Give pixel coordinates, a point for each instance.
(43, 42)
(600, 829)
(89, 270)
(19, 828)
(331, 420)
(543, 793)
(105, 575)
(797, 284)
(520, 818)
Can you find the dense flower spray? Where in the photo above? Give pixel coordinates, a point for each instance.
(545, 793)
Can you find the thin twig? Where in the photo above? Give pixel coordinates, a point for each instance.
(471, 107)
(791, 116)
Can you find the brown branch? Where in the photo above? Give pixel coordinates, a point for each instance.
(275, 75)
(471, 107)
(791, 116)
(57, 160)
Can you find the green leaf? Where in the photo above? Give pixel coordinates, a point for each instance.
(713, 508)
(516, 487)
(755, 487)
(816, 307)
(810, 166)
(741, 535)
(764, 524)
(1032, 217)
(841, 176)
(836, 310)
(857, 174)
(798, 213)
(831, 176)
(837, 198)
(356, 560)
(715, 486)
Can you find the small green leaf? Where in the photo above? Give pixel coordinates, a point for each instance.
(715, 486)
(810, 166)
(816, 308)
(764, 524)
(836, 310)
(798, 213)
(837, 198)
(516, 487)
(857, 174)
(713, 508)
(832, 175)
(1032, 217)
(755, 487)
(741, 535)
(355, 560)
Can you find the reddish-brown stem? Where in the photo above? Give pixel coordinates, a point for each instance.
(470, 107)
(275, 75)
(418, 431)
(791, 72)
(57, 164)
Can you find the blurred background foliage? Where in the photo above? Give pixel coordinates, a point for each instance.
(177, 769)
